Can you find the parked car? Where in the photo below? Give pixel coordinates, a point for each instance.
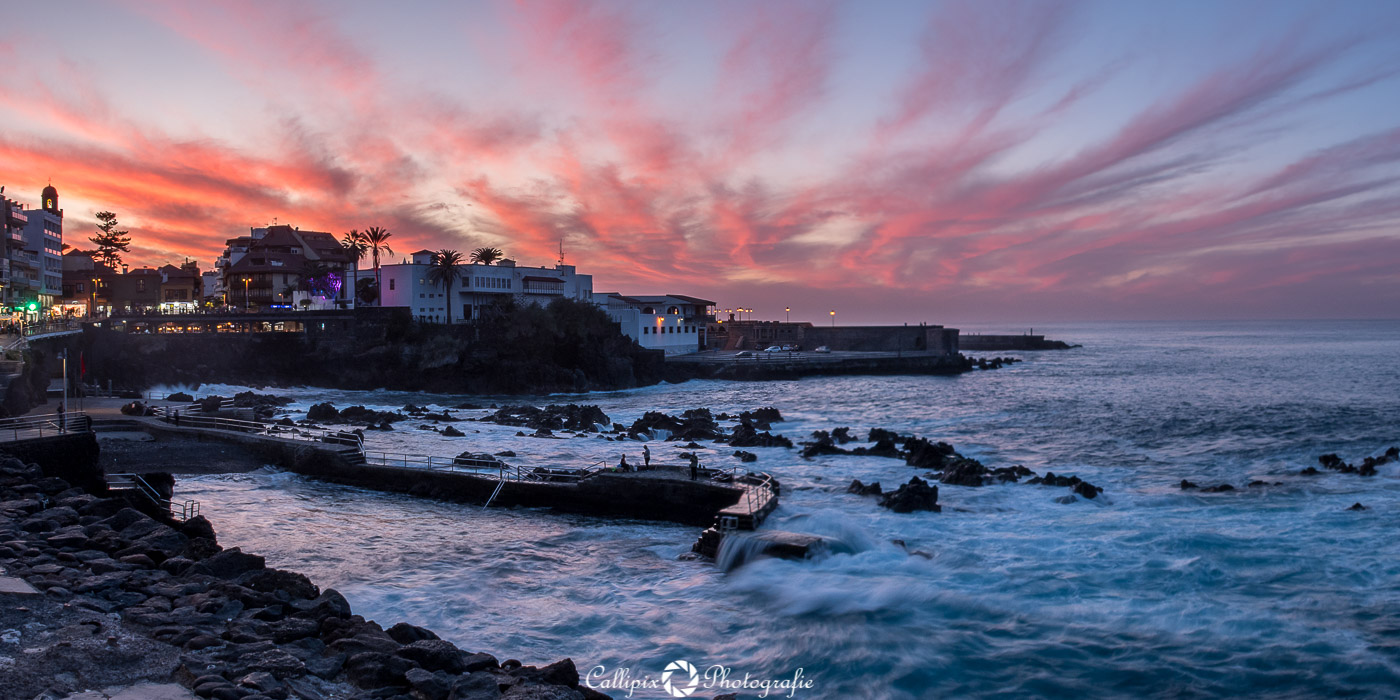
(743, 353)
(790, 348)
(773, 348)
(822, 348)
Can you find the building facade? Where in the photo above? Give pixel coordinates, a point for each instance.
(43, 245)
(283, 266)
(13, 221)
(672, 323)
(478, 287)
(33, 248)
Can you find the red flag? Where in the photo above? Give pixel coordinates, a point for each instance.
(82, 366)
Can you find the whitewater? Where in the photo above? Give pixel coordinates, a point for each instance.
(1148, 590)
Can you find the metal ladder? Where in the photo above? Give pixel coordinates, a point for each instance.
(499, 485)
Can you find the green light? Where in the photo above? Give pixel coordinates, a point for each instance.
(33, 306)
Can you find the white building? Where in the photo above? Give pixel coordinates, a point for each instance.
(672, 323)
(406, 285)
(212, 285)
(43, 243)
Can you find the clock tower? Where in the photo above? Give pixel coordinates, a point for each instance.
(50, 198)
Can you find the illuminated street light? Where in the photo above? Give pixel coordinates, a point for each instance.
(833, 318)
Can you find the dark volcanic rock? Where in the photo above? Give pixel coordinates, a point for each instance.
(915, 495)
(1188, 485)
(435, 655)
(230, 563)
(404, 633)
(745, 456)
(745, 435)
(1219, 488)
(919, 452)
(1357, 506)
(323, 413)
(575, 417)
(962, 471)
(372, 669)
(859, 488)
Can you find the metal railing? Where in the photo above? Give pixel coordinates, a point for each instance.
(494, 469)
(135, 482)
(49, 424)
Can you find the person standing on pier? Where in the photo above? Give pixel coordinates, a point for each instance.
(694, 466)
(646, 455)
(62, 420)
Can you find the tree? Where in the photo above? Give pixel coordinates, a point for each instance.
(355, 247)
(110, 242)
(486, 256)
(377, 239)
(367, 291)
(443, 271)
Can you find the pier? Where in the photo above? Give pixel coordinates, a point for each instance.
(661, 492)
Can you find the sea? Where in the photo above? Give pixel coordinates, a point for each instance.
(1149, 590)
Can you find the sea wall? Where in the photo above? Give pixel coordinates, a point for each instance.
(991, 343)
(29, 388)
(779, 366)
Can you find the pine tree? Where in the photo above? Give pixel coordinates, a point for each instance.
(110, 242)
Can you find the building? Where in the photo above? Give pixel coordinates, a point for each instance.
(82, 283)
(479, 286)
(672, 323)
(212, 286)
(13, 221)
(181, 288)
(33, 247)
(281, 266)
(43, 245)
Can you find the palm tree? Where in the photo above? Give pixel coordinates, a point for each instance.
(443, 270)
(377, 239)
(354, 245)
(486, 256)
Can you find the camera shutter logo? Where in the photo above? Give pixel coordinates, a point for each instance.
(680, 688)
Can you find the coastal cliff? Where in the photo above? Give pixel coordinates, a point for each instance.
(565, 346)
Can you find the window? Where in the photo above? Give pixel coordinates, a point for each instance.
(391, 284)
(140, 285)
(673, 311)
(80, 288)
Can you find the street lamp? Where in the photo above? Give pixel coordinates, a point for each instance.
(249, 279)
(833, 318)
(788, 309)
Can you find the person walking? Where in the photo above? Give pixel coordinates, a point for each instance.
(646, 455)
(176, 416)
(62, 420)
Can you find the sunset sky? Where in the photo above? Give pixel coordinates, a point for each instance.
(948, 162)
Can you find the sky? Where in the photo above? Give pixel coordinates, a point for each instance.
(958, 162)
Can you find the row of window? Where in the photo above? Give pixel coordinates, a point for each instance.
(648, 330)
(493, 282)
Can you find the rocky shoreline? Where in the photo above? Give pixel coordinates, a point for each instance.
(125, 596)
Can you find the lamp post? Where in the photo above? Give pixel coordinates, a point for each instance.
(246, 282)
(788, 310)
(833, 318)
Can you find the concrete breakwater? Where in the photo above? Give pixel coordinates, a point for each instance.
(768, 366)
(977, 342)
(102, 594)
